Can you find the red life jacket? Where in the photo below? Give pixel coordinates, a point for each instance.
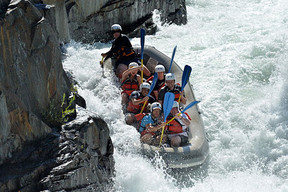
(174, 126)
(140, 116)
(136, 108)
(176, 90)
(128, 85)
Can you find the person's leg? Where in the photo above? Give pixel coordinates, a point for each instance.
(175, 141)
(184, 140)
(120, 69)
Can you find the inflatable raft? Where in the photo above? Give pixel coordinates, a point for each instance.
(196, 151)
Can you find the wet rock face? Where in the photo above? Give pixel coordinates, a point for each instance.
(80, 157)
(31, 74)
(85, 159)
(91, 20)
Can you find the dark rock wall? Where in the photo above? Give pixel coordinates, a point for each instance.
(31, 75)
(85, 156)
(79, 158)
(89, 21)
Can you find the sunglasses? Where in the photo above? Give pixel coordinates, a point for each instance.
(116, 32)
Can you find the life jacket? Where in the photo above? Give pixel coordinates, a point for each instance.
(140, 116)
(128, 85)
(176, 90)
(124, 51)
(136, 108)
(174, 126)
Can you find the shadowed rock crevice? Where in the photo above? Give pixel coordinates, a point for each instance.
(3, 8)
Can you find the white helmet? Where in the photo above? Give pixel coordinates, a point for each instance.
(169, 76)
(133, 64)
(159, 68)
(145, 86)
(116, 27)
(155, 105)
(175, 104)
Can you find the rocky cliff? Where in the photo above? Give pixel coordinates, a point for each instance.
(36, 152)
(31, 75)
(89, 21)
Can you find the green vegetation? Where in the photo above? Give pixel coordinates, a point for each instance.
(56, 115)
(69, 109)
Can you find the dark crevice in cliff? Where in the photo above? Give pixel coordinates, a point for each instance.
(120, 5)
(69, 6)
(3, 9)
(132, 26)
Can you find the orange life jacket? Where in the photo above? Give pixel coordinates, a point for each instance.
(140, 116)
(176, 91)
(136, 108)
(128, 85)
(174, 127)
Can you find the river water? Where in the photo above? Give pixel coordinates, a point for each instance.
(239, 54)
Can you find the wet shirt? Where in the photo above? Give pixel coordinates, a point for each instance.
(159, 84)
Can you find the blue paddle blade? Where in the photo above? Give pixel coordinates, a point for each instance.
(142, 37)
(185, 76)
(189, 106)
(172, 58)
(153, 83)
(168, 103)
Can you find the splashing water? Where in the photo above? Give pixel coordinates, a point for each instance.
(238, 52)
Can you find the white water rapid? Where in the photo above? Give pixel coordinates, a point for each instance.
(239, 54)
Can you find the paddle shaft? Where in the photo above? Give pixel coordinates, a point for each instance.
(172, 58)
(142, 71)
(142, 39)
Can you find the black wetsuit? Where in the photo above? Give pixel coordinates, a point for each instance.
(122, 50)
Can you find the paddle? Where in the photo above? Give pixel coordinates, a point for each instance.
(186, 108)
(172, 58)
(167, 106)
(151, 89)
(142, 35)
(102, 65)
(185, 78)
